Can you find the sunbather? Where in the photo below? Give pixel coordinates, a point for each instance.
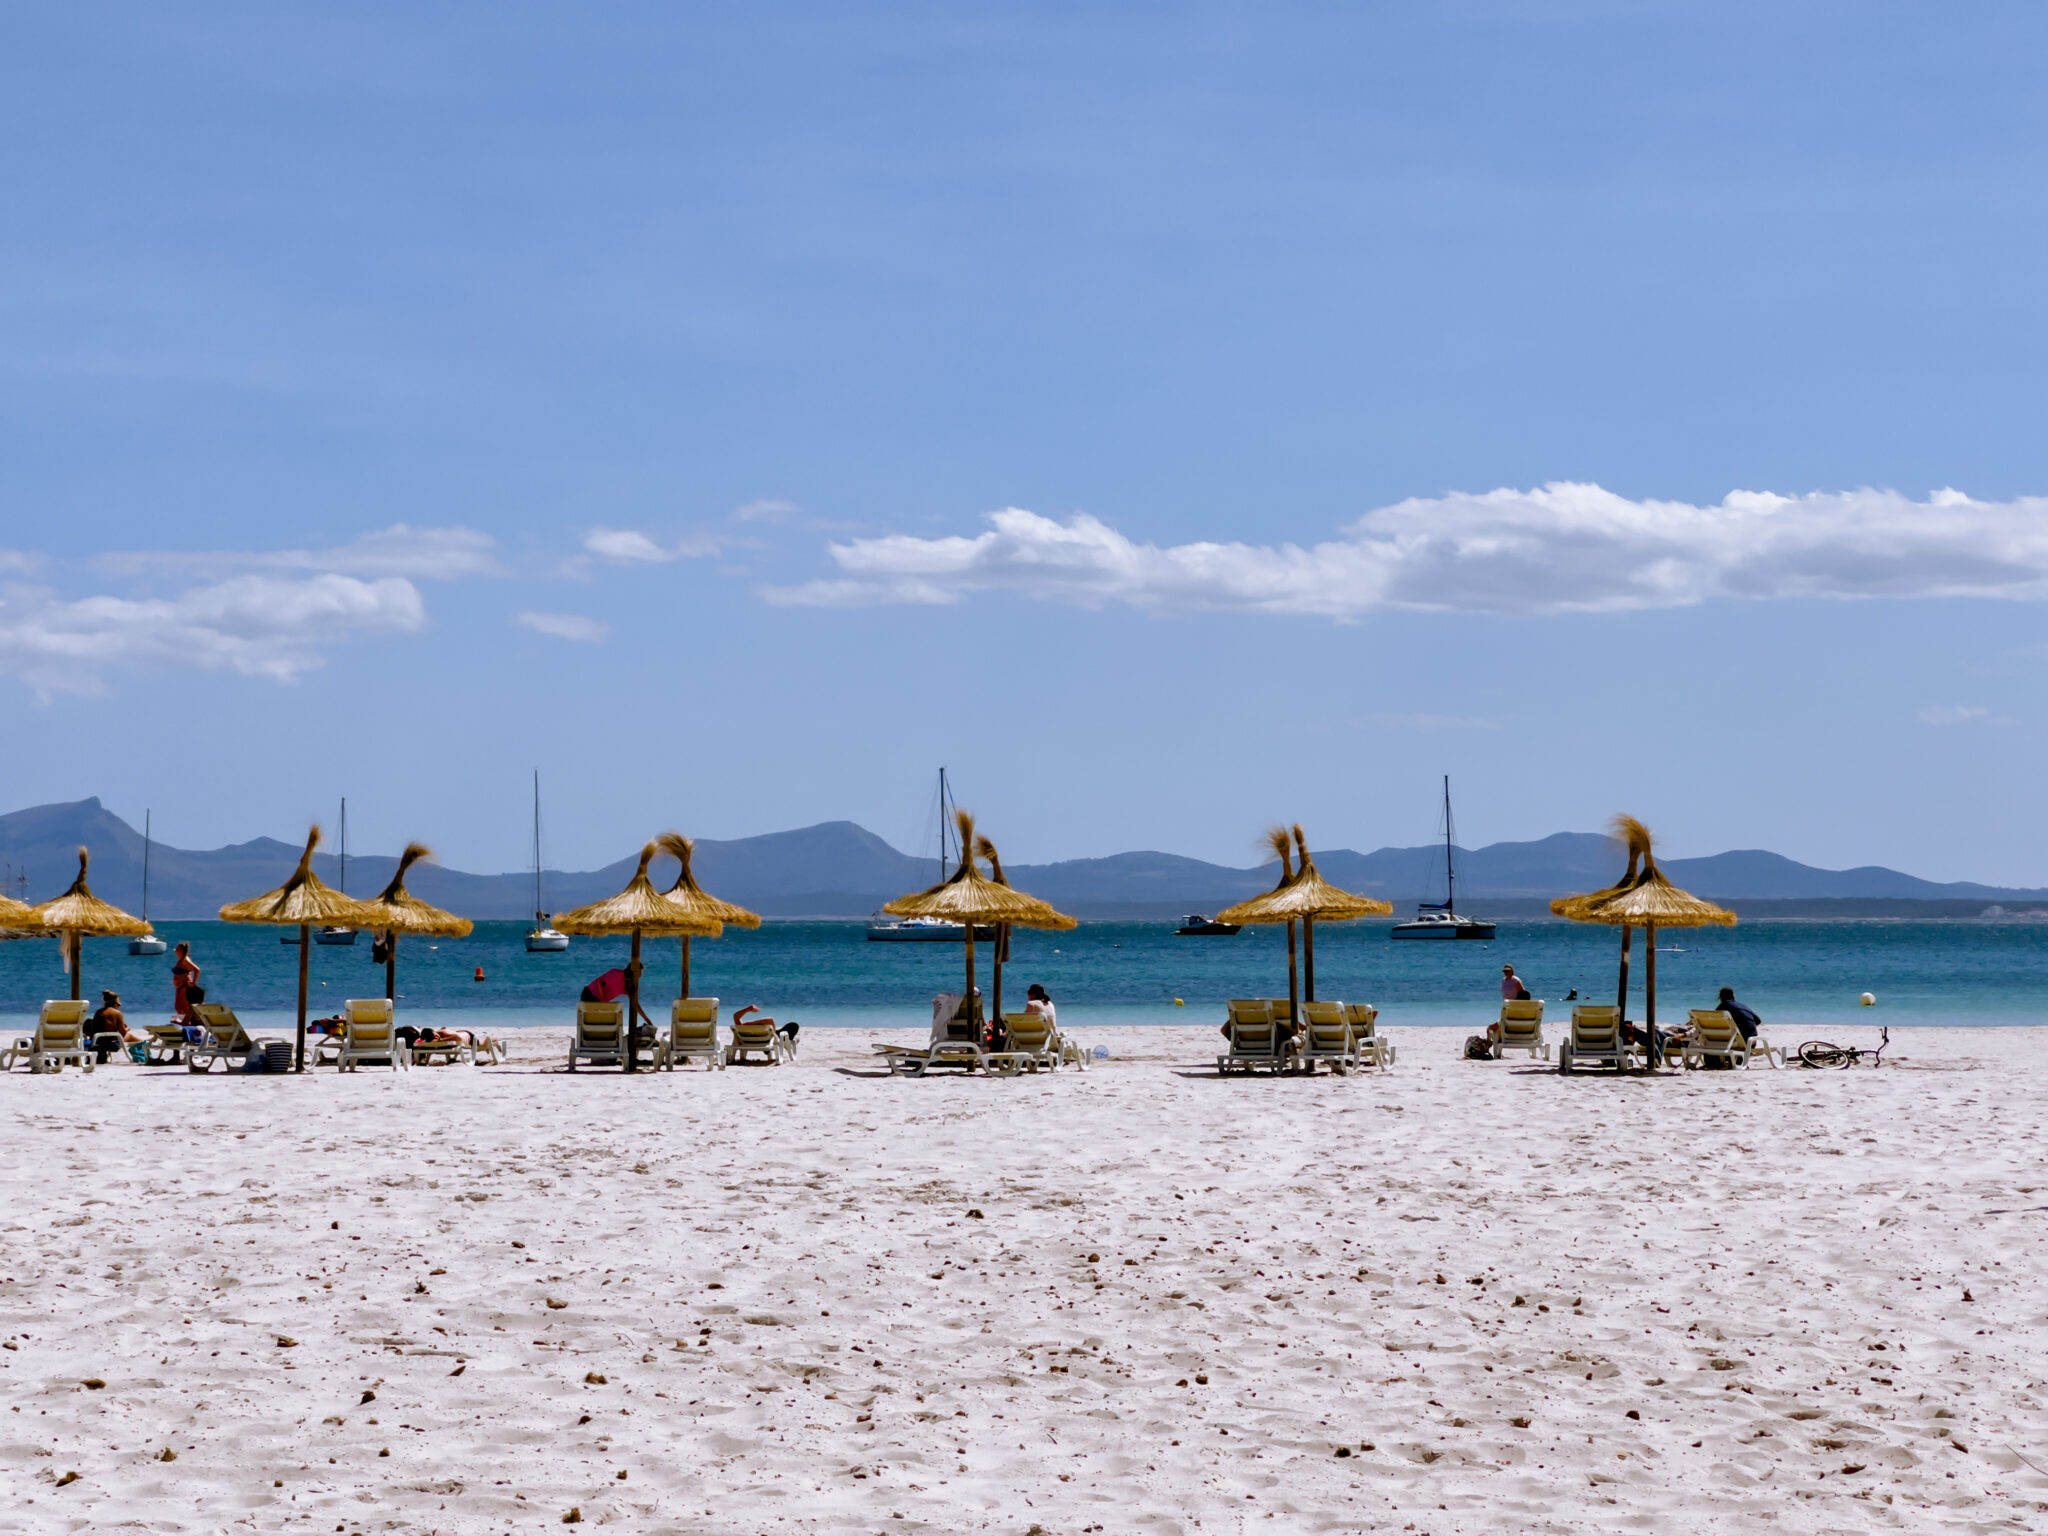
(108, 1020)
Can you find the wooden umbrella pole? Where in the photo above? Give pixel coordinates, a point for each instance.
(1621, 996)
(633, 969)
(969, 999)
(77, 955)
(1308, 958)
(1293, 984)
(686, 965)
(305, 942)
(996, 964)
(391, 966)
(1650, 989)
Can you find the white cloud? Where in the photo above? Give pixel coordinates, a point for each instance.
(565, 626)
(1563, 548)
(766, 512)
(258, 625)
(439, 554)
(16, 560)
(628, 546)
(1955, 714)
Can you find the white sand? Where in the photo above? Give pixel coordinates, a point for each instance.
(1768, 1267)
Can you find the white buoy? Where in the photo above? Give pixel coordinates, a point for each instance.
(1870, 999)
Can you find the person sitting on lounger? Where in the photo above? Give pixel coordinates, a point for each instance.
(108, 1019)
(609, 988)
(1746, 1019)
(1039, 1001)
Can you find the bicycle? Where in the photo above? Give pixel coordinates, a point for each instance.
(1823, 1053)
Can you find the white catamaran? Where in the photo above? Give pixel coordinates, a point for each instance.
(932, 930)
(148, 944)
(545, 939)
(1440, 919)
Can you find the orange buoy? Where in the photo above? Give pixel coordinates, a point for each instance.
(479, 973)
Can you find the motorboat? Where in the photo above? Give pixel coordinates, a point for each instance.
(1201, 924)
(924, 930)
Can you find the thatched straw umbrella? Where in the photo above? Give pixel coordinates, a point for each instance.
(967, 897)
(1306, 896)
(400, 912)
(1648, 901)
(304, 902)
(77, 913)
(639, 909)
(693, 901)
(1253, 912)
(1629, 831)
(18, 920)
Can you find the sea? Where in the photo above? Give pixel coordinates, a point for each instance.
(1806, 972)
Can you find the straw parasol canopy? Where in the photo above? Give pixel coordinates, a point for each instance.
(694, 900)
(1644, 899)
(1304, 897)
(303, 902)
(639, 909)
(77, 913)
(18, 920)
(968, 897)
(399, 912)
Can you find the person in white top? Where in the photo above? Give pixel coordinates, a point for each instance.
(1037, 1001)
(1511, 985)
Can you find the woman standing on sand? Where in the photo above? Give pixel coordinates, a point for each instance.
(184, 976)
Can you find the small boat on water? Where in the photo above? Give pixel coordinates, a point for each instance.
(1441, 919)
(331, 934)
(148, 944)
(545, 938)
(1201, 924)
(924, 930)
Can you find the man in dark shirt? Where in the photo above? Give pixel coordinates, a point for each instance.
(1745, 1019)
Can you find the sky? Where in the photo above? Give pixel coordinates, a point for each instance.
(1171, 419)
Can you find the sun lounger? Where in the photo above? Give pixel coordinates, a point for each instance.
(955, 1039)
(1327, 1036)
(1372, 1045)
(1033, 1044)
(226, 1040)
(369, 1035)
(692, 1032)
(1715, 1034)
(600, 1037)
(753, 1037)
(1255, 1039)
(1521, 1029)
(1595, 1037)
(60, 1037)
(164, 1045)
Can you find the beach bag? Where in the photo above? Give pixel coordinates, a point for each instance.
(1478, 1048)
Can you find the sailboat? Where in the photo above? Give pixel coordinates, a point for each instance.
(932, 930)
(545, 939)
(332, 935)
(148, 944)
(1440, 919)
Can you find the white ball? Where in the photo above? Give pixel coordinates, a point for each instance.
(1870, 999)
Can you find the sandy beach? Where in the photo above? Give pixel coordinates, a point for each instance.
(1459, 1297)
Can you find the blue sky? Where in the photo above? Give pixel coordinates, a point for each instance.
(1171, 418)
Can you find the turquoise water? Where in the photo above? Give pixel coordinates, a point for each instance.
(826, 973)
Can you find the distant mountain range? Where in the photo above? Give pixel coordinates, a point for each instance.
(838, 869)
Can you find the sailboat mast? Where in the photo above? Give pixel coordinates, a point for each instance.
(944, 839)
(536, 846)
(1450, 873)
(343, 887)
(145, 866)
